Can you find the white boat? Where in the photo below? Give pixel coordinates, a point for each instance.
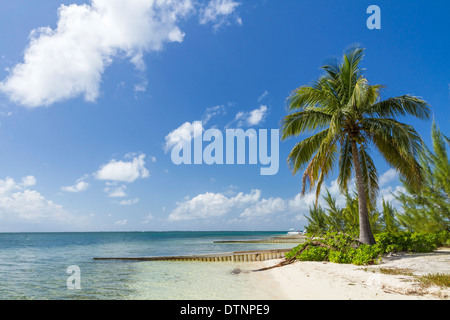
(292, 232)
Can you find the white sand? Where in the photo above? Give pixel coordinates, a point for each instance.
(330, 281)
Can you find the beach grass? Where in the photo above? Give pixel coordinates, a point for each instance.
(432, 279)
(437, 279)
(397, 271)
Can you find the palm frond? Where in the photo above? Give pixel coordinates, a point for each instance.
(322, 164)
(359, 92)
(296, 123)
(397, 156)
(371, 96)
(350, 71)
(320, 93)
(399, 106)
(407, 141)
(304, 150)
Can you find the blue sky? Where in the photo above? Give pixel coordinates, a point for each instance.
(90, 92)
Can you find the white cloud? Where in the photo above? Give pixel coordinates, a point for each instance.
(121, 222)
(69, 61)
(129, 202)
(124, 171)
(251, 207)
(114, 172)
(5, 113)
(302, 203)
(77, 187)
(19, 204)
(263, 95)
(249, 118)
(147, 219)
(189, 130)
(220, 12)
(141, 87)
(388, 177)
(212, 205)
(390, 194)
(186, 132)
(8, 185)
(28, 181)
(265, 207)
(257, 116)
(114, 191)
(212, 112)
(205, 205)
(238, 208)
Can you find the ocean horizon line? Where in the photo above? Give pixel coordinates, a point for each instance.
(149, 231)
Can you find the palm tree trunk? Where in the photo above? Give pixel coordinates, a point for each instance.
(365, 232)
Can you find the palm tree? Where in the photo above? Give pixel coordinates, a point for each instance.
(347, 117)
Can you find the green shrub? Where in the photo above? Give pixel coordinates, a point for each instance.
(421, 242)
(341, 257)
(314, 254)
(390, 242)
(443, 238)
(366, 254)
(294, 251)
(342, 248)
(339, 241)
(411, 242)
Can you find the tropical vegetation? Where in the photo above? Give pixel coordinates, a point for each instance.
(427, 209)
(419, 223)
(346, 117)
(343, 248)
(424, 210)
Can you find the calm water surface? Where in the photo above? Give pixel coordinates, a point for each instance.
(34, 265)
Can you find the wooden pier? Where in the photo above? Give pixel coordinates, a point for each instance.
(238, 256)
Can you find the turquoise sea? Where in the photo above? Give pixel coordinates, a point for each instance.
(35, 266)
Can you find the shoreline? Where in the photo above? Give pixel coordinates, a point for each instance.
(307, 280)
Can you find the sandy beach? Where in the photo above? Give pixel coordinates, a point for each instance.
(330, 281)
